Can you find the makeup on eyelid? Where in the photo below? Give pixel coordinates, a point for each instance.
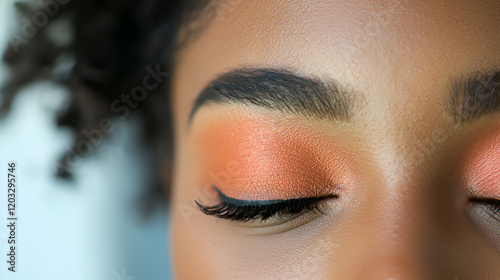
(255, 158)
(482, 167)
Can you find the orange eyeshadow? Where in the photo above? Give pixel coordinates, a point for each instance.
(483, 165)
(258, 158)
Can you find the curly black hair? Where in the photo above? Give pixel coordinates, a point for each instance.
(111, 46)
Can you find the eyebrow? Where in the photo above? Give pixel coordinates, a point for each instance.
(472, 96)
(475, 96)
(281, 90)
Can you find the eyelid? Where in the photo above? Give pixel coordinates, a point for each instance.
(481, 165)
(245, 154)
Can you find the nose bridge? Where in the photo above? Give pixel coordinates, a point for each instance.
(394, 196)
(399, 228)
(398, 194)
(399, 234)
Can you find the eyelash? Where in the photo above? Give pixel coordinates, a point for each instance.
(248, 210)
(492, 204)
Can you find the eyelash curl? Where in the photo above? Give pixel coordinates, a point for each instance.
(247, 210)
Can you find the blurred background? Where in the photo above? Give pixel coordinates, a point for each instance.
(86, 228)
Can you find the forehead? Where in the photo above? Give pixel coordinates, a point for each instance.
(389, 47)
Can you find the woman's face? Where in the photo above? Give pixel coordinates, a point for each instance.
(347, 140)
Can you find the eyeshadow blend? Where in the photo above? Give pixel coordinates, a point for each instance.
(259, 158)
(482, 166)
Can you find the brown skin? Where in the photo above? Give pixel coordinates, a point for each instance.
(402, 215)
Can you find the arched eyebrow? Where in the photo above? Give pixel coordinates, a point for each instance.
(281, 90)
(472, 96)
(475, 96)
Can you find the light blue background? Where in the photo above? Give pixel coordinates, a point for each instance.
(89, 229)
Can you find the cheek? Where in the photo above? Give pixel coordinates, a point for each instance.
(261, 159)
(483, 167)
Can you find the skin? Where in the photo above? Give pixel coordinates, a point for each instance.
(403, 210)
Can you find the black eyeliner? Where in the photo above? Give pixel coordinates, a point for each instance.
(242, 202)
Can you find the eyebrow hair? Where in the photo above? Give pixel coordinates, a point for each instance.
(475, 96)
(472, 96)
(281, 90)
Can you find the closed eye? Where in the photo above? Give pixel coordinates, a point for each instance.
(246, 210)
(490, 206)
